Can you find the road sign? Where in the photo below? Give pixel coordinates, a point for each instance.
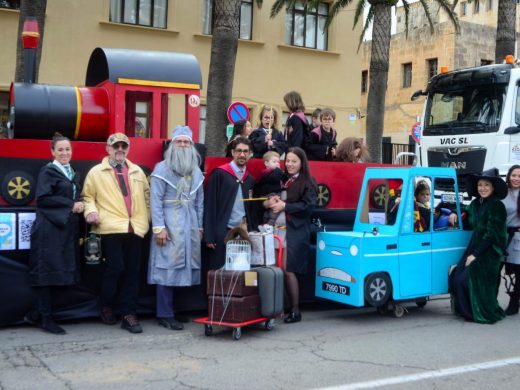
(237, 111)
(229, 131)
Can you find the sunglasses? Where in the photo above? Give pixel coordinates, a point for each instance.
(120, 145)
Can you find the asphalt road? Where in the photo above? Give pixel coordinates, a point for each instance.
(428, 348)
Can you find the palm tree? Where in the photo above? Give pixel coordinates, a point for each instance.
(506, 34)
(379, 16)
(35, 9)
(224, 45)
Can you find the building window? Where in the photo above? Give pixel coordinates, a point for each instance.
(12, 4)
(407, 75)
(364, 81)
(476, 7)
(151, 13)
(305, 27)
(246, 18)
(432, 66)
(490, 5)
(463, 8)
(485, 62)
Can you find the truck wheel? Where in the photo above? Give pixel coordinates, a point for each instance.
(378, 196)
(324, 195)
(378, 289)
(18, 188)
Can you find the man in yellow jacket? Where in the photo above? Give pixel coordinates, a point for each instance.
(116, 197)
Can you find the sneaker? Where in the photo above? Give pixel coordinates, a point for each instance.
(292, 317)
(107, 316)
(170, 323)
(50, 326)
(131, 324)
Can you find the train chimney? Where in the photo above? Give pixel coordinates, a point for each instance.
(30, 39)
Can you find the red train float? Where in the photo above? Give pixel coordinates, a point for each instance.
(118, 84)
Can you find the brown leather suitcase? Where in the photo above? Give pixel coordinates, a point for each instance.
(233, 309)
(229, 283)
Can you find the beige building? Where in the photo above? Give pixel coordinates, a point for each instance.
(274, 55)
(414, 60)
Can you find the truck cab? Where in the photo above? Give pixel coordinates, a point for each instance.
(471, 120)
(400, 252)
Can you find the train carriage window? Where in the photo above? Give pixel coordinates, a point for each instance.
(173, 114)
(202, 128)
(138, 114)
(445, 201)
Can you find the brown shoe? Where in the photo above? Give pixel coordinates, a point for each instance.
(107, 316)
(131, 324)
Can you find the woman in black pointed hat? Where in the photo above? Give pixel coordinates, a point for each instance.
(474, 282)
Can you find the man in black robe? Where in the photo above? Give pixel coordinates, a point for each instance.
(224, 207)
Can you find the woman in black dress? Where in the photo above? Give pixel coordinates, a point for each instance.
(299, 196)
(53, 257)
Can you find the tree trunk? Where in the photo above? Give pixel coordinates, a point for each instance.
(506, 17)
(35, 9)
(378, 77)
(224, 46)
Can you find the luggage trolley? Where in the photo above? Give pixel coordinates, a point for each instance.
(237, 326)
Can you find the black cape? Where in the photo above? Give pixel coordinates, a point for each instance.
(53, 259)
(218, 204)
(298, 220)
(259, 145)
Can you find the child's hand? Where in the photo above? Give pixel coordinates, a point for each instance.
(278, 206)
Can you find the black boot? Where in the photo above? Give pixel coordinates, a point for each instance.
(49, 325)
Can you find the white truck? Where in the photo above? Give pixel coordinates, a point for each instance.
(471, 120)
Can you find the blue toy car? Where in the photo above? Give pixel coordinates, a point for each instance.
(401, 248)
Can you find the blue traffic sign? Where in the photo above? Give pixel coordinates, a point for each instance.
(237, 111)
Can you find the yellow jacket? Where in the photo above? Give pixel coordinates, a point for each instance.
(101, 194)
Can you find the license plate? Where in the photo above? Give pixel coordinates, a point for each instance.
(449, 197)
(335, 288)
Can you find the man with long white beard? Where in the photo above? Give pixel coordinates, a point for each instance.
(176, 203)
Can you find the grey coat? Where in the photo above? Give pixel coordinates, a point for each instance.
(176, 203)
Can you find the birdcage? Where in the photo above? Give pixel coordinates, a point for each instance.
(238, 255)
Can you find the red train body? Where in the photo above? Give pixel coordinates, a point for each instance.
(119, 84)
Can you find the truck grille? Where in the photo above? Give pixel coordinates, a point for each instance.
(466, 161)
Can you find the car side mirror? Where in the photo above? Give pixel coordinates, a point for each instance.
(416, 95)
(512, 130)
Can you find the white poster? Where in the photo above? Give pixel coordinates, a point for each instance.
(25, 221)
(7, 231)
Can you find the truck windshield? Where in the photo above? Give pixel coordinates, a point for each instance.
(464, 110)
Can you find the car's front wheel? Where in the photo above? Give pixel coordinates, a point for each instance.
(378, 289)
